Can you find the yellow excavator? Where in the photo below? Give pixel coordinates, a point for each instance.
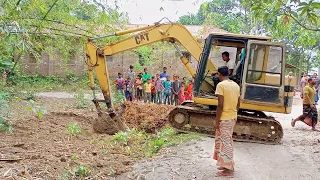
(260, 72)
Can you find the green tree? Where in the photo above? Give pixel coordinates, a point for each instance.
(294, 23)
(305, 14)
(53, 26)
(225, 14)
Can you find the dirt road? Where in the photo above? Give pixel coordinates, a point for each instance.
(298, 157)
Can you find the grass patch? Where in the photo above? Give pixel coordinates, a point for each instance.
(74, 129)
(140, 144)
(81, 102)
(5, 126)
(48, 83)
(37, 109)
(4, 113)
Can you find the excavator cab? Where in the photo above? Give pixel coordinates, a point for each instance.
(259, 71)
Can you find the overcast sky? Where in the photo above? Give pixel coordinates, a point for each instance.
(150, 11)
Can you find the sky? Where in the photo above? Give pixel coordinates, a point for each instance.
(151, 11)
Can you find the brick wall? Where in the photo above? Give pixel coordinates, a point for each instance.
(54, 66)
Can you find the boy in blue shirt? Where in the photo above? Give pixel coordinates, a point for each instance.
(167, 91)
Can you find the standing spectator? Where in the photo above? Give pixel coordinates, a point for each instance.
(228, 93)
(310, 113)
(189, 90)
(138, 85)
(160, 89)
(164, 75)
(147, 91)
(316, 97)
(181, 93)
(303, 83)
(167, 91)
(132, 76)
(185, 81)
(145, 76)
(128, 89)
(119, 83)
(153, 90)
(175, 90)
(131, 73)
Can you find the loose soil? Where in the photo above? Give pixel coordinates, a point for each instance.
(42, 148)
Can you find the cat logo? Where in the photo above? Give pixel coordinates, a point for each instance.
(141, 37)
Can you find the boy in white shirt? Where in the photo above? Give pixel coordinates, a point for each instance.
(230, 64)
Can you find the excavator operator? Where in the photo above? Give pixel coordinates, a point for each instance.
(230, 64)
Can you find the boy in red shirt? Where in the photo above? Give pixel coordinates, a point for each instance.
(189, 93)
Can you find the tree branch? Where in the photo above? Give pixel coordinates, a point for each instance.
(60, 30)
(60, 22)
(48, 11)
(288, 12)
(300, 24)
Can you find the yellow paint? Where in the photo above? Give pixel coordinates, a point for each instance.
(257, 106)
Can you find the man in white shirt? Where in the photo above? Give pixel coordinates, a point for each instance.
(230, 64)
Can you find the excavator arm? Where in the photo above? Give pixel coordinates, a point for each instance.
(170, 32)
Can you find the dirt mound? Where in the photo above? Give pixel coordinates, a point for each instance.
(148, 117)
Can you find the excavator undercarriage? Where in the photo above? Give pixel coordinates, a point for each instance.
(250, 127)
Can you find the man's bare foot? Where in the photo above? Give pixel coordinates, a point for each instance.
(221, 168)
(225, 173)
(293, 122)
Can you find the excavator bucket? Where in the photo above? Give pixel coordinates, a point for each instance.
(110, 122)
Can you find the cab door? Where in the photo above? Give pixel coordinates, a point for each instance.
(263, 75)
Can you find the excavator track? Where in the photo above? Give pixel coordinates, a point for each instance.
(250, 127)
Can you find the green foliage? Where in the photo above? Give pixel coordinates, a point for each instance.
(5, 126)
(74, 157)
(66, 175)
(30, 95)
(36, 108)
(117, 97)
(296, 24)
(82, 171)
(225, 14)
(191, 19)
(73, 128)
(57, 27)
(145, 54)
(156, 145)
(137, 67)
(305, 14)
(37, 83)
(71, 76)
(81, 102)
(4, 113)
(5, 64)
(141, 144)
(121, 137)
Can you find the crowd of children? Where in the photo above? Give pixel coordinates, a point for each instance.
(161, 88)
